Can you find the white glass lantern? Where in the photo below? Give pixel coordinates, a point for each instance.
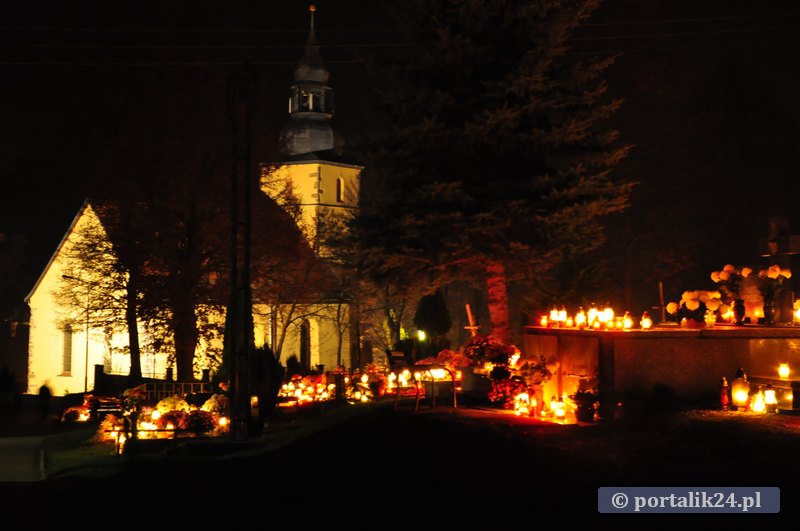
(740, 390)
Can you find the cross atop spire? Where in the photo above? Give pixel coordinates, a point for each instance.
(310, 104)
(312, 38)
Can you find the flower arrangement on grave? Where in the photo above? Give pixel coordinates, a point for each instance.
(694, 305)
(376, 379)
(172, 403)
(133, 398)
(505, 390)
(585, 400)
(483, 349)
(217, 403)
(535, 371)
(730, 280)
(451, 359)
(770, 282)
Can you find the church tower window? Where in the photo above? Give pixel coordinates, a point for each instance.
(339, 190)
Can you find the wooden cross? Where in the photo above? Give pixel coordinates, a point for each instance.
(472, 328)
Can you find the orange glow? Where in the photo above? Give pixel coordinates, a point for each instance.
(627, 321)
(758, 405)
(543, 321)
(769, 397)
(592, 317)
(783, 370)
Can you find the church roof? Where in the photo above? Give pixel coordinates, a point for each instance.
(327, 156)
(310, 68)
(274, 237)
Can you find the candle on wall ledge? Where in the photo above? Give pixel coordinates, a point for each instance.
(627, 321)
(580, 318)
(592, 316)
(770, 400)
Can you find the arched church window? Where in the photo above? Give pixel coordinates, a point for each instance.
(66, 350)
(305, 344)
(339, 190)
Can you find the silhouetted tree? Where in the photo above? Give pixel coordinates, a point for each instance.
(492, 159)
(101, 280)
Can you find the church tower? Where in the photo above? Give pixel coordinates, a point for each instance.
(313, 175)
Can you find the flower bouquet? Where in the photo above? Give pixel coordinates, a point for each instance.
(505, 390)
(483, 349)
(730, 280)
(693, 306)
(585, 399)
(770, 282)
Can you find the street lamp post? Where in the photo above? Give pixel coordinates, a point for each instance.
(86, 350)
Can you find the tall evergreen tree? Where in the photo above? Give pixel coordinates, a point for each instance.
(492, 159)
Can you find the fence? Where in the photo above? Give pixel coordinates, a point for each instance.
(158, 390)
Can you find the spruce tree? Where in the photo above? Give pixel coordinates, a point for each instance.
(491, 161)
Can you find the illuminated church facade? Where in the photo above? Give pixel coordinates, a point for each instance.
(65, 346)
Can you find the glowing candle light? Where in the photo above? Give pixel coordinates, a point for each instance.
(740, 390)
(627, 321)
(543, 321)
(758, 405)
(783, 370)
(608, 313)
(770, 399)
(580, 318)
(646, 322)
(592, 316)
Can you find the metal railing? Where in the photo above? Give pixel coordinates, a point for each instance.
(158, 390)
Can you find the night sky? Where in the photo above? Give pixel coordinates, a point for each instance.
(710, 90)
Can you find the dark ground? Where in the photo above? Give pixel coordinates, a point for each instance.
(469, 468)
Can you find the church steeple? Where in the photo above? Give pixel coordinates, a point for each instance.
(311, 105)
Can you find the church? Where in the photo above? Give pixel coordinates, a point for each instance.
(66, 345)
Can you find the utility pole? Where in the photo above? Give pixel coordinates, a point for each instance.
(238, 342)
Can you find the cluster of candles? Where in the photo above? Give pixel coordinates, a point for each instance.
(764, 400)
(147, 428)
(357, 389)
(302, 393)
(526, 404)
(595, 319)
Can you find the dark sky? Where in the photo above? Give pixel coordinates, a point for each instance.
(710, 93)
